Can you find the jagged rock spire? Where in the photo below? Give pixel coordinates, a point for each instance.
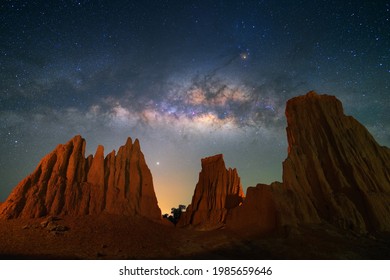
(67, 183)
(218, 190)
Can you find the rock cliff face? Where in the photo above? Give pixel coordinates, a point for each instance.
(217, 191)
(335, 172)
(67, 183)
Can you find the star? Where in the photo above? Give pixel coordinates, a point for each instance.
(244, 56)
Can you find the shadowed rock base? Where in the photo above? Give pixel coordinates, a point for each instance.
(107, 236)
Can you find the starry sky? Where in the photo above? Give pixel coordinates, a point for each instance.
(189, 79)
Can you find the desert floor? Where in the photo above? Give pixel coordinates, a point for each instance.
(119, 237)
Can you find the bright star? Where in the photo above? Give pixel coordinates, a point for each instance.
(244, 56)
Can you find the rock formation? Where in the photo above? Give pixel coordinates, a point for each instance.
(335, 172)
(218, 190)
(67, 183)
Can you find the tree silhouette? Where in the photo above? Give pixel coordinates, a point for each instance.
(175, 214)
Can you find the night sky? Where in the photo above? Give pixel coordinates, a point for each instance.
(189, 79)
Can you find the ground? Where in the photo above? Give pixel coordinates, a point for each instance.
(119, 237)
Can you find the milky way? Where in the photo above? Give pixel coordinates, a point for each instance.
(188, 78)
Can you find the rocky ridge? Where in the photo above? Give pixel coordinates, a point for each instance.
(67, 183)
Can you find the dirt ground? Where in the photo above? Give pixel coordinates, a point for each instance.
(120, 237)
